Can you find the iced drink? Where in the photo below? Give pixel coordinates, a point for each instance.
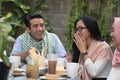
(52, 62)
(52, 66)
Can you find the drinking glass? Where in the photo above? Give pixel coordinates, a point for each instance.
(52, 62)
(32, 69)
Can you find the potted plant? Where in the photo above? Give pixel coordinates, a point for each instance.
(5, 39)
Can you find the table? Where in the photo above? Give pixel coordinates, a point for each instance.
(23, 77)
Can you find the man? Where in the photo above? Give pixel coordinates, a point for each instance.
(37, 36)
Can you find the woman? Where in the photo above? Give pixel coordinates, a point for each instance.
(115, 71)
(90, 50)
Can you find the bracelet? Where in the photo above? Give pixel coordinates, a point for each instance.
(83, 54)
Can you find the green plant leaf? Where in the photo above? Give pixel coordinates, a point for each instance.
(6, 60)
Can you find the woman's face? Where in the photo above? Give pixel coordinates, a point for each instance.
(113, 35)
(82, 30)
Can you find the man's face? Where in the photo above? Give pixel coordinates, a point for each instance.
(37, 28)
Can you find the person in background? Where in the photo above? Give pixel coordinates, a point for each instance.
(115, 71)
(90, 50)
(36, 36)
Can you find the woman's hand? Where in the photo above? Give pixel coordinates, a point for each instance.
(80, 43)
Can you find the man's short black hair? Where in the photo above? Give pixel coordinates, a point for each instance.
(31, 16)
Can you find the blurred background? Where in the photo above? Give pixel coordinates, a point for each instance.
(60, 15)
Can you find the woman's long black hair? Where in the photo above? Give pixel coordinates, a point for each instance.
(92, 26)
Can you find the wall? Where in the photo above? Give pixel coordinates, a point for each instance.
(57, 14)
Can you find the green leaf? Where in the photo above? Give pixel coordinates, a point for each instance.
(6, 60)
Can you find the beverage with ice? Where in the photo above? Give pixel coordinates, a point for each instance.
(52, 62)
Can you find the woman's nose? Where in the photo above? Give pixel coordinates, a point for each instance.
(111, 34)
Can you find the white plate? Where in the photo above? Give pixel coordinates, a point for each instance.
(62, 74)
(19, 74)
(44, 78)
(42, 68)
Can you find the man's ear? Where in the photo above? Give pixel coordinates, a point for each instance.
(28, 29)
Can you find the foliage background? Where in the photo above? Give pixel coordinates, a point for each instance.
(18, 10)
(101, 11)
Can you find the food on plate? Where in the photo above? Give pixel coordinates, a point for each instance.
(60, 70)
(35, 55)
(52, 76)
(16, 70)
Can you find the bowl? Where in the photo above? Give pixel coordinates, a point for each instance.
(43, 70)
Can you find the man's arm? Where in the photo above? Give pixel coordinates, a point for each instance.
(59, 48)
(17, 49)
